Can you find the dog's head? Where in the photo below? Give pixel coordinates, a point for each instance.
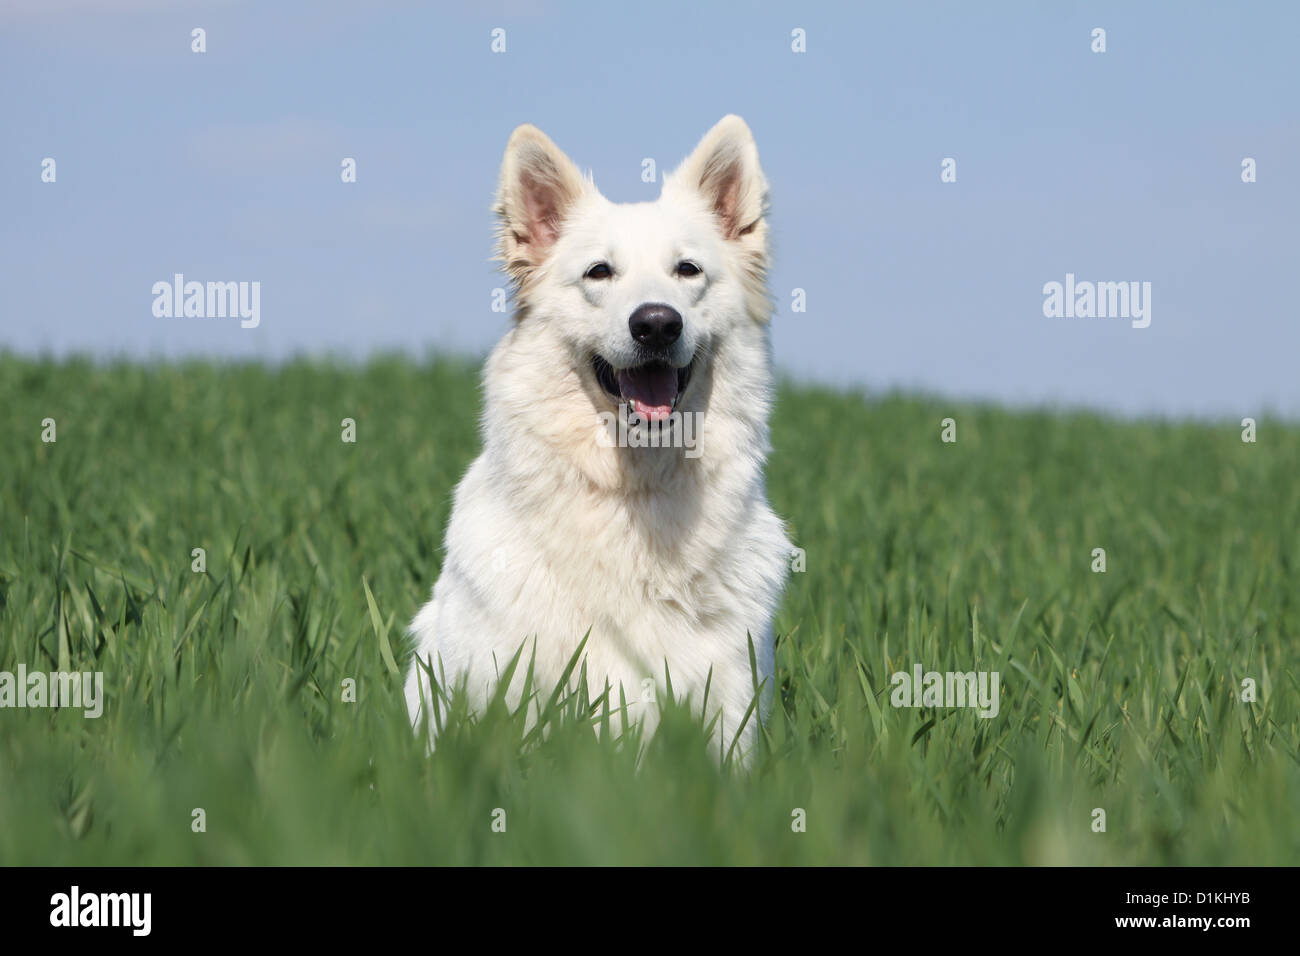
(638, 296)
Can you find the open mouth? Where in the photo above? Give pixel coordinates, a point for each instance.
(652, 390)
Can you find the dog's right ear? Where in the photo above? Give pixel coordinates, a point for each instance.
(538, 186)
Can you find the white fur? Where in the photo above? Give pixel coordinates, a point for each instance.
(668, 560)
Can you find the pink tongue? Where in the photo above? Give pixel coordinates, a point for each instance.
(650, 390)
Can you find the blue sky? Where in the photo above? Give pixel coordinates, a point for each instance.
(1121, 166)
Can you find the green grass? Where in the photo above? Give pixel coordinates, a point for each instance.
(1121, 690)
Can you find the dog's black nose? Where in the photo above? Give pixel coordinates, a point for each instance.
(656, 326)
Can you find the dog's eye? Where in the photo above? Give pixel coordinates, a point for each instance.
(686, 269)
(600, 270)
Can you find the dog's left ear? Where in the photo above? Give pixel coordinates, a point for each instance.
(538, 188)
(724, 169)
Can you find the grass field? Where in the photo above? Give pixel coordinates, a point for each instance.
(1120, 690)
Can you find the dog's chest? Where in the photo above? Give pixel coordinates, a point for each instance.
(646, 574)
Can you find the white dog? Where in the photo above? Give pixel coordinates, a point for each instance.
(634, 322)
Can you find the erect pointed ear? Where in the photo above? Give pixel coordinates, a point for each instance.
(538, 185)
(724, 169)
